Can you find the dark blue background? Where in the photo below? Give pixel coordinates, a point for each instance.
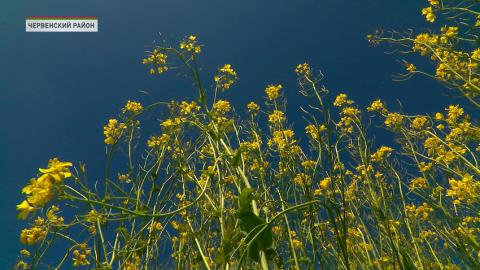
(58, 89)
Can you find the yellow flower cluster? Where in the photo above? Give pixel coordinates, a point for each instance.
(475, 55)
(190, 45)
(273, 91)
(282, 139)
(394, 120)
(53, 218)
(113, 131)
(302, 180)
(464, 190)
(276, 117)
(172, 124)
(448, 32)
(382, 153)
(377, 105)
(187, 108)
(442, 152)
(424, 167)
(418, 183)
(350, 111)
(222, 107)
(134, 263)
(455, 65)
(35, 234)
(253, 107)
(158, 141)
(157, 60)
(411, 67)
(419, 122)
(41, 189)
(303, 70)
(342, 100)
(315, 131)
(133, 107)
(423, 211)
(226, 77)
(429, 15)
(80, 256)
(323, 186)
(424, 42)
(309, 164)
(349, 114)
(454, 112)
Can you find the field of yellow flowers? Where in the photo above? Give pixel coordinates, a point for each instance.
(214, 190)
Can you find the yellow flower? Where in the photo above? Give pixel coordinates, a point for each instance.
(424, 167)
(314, 131)
(418, 183)
(454, 113)
(419, 122)
(393, 120)
(22, 265)
(172, 124)
(325, 183)
(297, 244)
(303, 70)
(448, 33)
(342, 100)
(476, 54)
(309, 164)
(57, 169)
(253, 107)
(52, 216)
(276, 117)
(351, 111)
(187, 108)
(276, 230)
(377, 105)
(222, 106)
(226, 77)
(381, 154)
(434, 2)
(32, 236)
(175, 225)
(25, 253)
(464, 190)
(190, 45)
(273, 91)
(112, 131)
(302, 180)
(282, 139)
(323, 187)
(132, 107)
(422, 41)
(157, 60)
(25, 209)
(40, 190)
(428, 13)
(411, 67)
(423, 211)
(157, 142)
(80, 256)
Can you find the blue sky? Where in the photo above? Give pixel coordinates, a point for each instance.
(58, 89)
